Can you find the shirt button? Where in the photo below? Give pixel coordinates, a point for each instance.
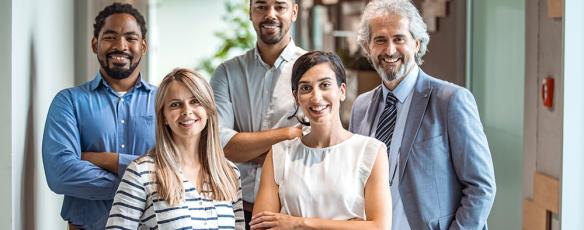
(123, 121)
(205, 223)
(200, 202)
(122, 100)
(123, 146)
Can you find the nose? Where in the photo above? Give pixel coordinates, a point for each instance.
(390, 49)
(316, 96)
(186, 112)
(270, 13)
(120, 44)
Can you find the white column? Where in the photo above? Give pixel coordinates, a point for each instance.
(572, 198)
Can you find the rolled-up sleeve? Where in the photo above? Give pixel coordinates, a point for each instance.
(123, 161)
(220, 85)
(66, 173)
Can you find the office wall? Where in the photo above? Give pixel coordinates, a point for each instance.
(5, 115)
(42, 64)
(543, 127)
(498, 84)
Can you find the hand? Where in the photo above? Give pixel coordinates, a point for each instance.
(295, 131)
(271, 220)
(104, 160)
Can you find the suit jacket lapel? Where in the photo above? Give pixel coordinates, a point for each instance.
(372, 111)
(420, 98)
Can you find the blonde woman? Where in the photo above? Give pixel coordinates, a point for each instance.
(185, 181)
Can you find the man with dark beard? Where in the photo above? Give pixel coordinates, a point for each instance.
(441, 171)
(253, 95)
(93, 131)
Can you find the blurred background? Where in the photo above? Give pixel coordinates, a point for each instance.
(505, 51)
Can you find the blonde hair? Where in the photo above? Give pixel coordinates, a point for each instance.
(217, 175)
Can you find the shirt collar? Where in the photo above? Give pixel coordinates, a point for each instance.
(287, 54)
(140, 84)
(405, 87)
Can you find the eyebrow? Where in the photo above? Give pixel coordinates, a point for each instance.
(126, 33)
(319, 80)
(180, 100)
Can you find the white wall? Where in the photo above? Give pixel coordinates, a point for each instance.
(5, 97)
(42, 64)
(184, 34)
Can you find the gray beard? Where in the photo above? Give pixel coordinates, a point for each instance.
(387, 77)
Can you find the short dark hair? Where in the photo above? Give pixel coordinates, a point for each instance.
(118, 8)
(309, 60)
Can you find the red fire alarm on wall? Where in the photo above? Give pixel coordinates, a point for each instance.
(547, 92)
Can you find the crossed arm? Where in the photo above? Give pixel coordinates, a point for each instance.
(377, 203)
(69, 171)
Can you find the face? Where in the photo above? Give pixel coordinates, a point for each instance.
(185, 116)
(119, 47)
(319, 95)
(391, 47)
(272, 19)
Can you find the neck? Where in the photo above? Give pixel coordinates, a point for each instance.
(270, 53)
(326, 134)
(121, 85)
(188, 150)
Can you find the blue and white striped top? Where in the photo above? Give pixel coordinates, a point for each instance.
(137, 205)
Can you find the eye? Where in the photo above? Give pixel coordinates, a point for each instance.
(261, 7)
(132, 38)
(379, 41)
(281, 8)
(108, 37)
(399, 40)
(326, 85)
(174, 105)
(304, 88)
(194, 101)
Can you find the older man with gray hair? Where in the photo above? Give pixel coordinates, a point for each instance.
(441, 171)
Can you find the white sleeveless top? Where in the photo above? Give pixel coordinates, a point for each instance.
(327, 183)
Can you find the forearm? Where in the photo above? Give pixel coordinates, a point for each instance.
(315, 223)
(246, 146)
(105, 160)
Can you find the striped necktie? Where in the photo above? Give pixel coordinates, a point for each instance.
(386, 122)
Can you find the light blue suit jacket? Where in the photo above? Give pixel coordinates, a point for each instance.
(446, 172)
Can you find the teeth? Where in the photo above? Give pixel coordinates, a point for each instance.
(119, 58)
(318, 108)
(270, 26)
(390, 60)
(187, 122)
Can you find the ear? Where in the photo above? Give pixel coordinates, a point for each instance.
(144, 46)
(94, 45)
(294, 12)
(343, 89)
(418, 45)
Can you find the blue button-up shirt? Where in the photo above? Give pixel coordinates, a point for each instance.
(94, 118)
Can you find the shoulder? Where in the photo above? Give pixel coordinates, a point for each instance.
(445, 91)
(144, 163)
(367, 141)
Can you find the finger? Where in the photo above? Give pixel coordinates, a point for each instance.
(260, 218)
(264, 225)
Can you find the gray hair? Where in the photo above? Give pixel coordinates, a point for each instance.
(404, 8)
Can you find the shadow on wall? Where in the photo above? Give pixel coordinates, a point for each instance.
(28, 199)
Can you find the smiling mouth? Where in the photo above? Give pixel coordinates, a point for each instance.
(187, 122)
(119, 59)
(270, 26)
(318, 109)
(390, 59)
